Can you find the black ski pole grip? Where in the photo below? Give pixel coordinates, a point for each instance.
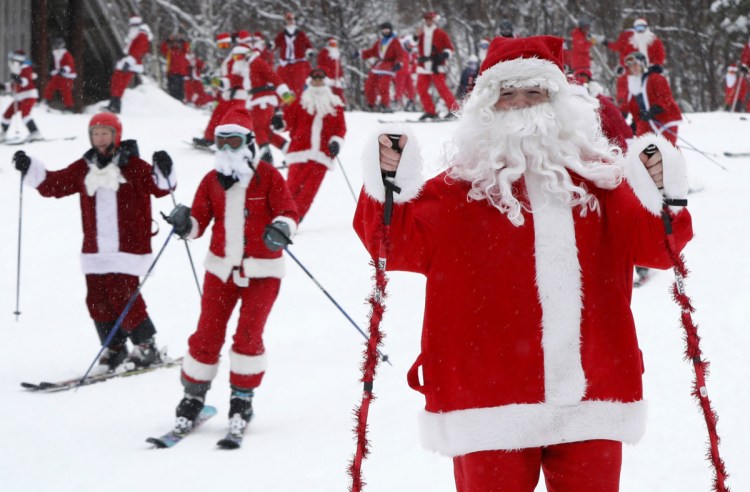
(650, 150)
(394, 141)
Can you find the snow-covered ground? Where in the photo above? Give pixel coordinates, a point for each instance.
(301, 439)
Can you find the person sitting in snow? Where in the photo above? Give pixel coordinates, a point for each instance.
(530, 361)
(115, 187)
(137, 46)
(253, 217)
(24, 95)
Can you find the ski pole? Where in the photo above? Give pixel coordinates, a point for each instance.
(692, 341)
(370, 364)
(348, 183)
(383, 357)
(17, 312)
(125, 311)
(663, 129)
(187, 247)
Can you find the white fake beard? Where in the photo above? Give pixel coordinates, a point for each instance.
(132, 33)
(334, 53)
(235, 163)
(320, 100)
(109, 177)
(642, 40)
(635, 85)
(493, 149)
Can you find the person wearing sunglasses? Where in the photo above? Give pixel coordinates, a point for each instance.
(317, 129)
(254, 217)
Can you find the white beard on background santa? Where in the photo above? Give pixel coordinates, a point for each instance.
(529, 357)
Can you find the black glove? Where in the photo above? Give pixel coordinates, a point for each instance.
(620, 70)
(439, 58)
(276, 235)
(743, 68)
(125, 67)
(423, 59)
(277, 121)
(22, 162)
(128, 149)
(180, 220)
(396, 67)
(15, 78)
(334, 148)
(652, 112)
(162, 161)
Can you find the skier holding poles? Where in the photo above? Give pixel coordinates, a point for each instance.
(115, 188)
(529, 359)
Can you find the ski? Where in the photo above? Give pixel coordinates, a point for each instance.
(431, 120)
(737, 154)
(54, 387)
(22, 141)
(211, 148)
(233, 439)
(173, 437)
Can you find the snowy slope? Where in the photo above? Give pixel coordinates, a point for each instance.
(93, 439)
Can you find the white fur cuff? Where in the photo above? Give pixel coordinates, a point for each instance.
(675, 173)
(247, 365)
(288, 221)
(409, 175)
(198, 370)
(36, 175)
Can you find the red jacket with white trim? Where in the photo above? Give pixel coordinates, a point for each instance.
(292, 48)
(263, 84)
(310, 134)
(331, 65)
(64, 65)
(655, 91)
(388, 54)
(430, 45)
(26, 88)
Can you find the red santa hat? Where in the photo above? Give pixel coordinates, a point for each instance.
(732, 68)
(135, 20)
(235, 121)
(524, 62)
(333, 42)
(244, 36)
(223, 40)
(18, 55)
(640, 21)
(241, 49)
(431, 15)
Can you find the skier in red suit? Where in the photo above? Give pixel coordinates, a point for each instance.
(317, 129)
(581, 42)
(115, 187)
(390, 57)
(24, 94)
(435, 49)
(260, 44)
(651, 102)
(329, 59)
(242, 196)
(62, 75)
(137, 45)
(175, 50)
(735, 92)
(295, 50)
(529, 358)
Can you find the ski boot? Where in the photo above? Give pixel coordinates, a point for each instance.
(144, 354)
(202, 142)
(115, 353)
(187, 411)
(34, 133)
(240, 410)
(429, 116)
(410, 106)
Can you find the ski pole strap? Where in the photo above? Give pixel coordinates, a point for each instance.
(678, 202)
(367, 386)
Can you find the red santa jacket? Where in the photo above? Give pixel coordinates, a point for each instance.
(745, 57)
(262, 83)
(137, 46)
(430, 43)
(388, 52)
(197, 67)
(655, 91)
(294, 47)
(528, 339)
(311, 132)
(614, 126)
(647, 43)
(175, 51)
(735, 92)
(330, 61)
(25, 88)
(580, 50)
(64, 65)
(240, 215)
(115, 209)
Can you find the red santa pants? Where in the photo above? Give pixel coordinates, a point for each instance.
(196, 94)
(120, 81)
(378, 85)
(217, 304)
(294, 75)
(261, 115)
(304, 181)
(404, 85)
(108, 294)
(423, 88)
(58, 83)
(588, 466)
(220, 110)
(24, 107)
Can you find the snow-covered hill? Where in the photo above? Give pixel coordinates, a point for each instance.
(301, 439)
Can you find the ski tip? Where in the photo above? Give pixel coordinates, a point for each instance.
(30, 386)
(158, 443)
(228, 443)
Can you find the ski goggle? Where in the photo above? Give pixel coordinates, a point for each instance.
(233, 141)
(640, 27)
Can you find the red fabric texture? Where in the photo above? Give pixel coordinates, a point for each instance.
(222, 108)
(261, 75)
(440, 42)
(139, 47)
(64, 86)
(580, 50)
(656, 53)
(656, 91)
(588, 466)
(387, 55)
(108, 294)
(614, 126)
(502, 49)
(24, 107)
(176, 54)
(304, 181)
(378, 88)
(306, 129)
(423, 88)
(120, 81)
(405, 84)
(300, 43)
(331, 66)
(295, 75)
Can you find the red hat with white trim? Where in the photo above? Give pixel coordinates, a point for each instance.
(223, 40)
(135, 20)
(235, 121)
(431, 15)
(244, 36)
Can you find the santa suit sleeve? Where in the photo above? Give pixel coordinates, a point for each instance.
(656, 53)
(745, 57)
(339, 129)
(139, 47)
(659, 93)
(614, 126)
(282, 206)
(304, 43)
(56, 184)
(202, 211)
(371, 52)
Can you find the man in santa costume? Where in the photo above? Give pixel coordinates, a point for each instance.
(435, 48)
(735, 90)
(651, 102)
(242, 196)
(329, 59)
(581, 42)
(195, 93)
(115, 187)
(529, 357)
(317, 129)
(175, 50)
(24, 94)
(62, 75)
(390, 57)
(295, 49)
(137, 45)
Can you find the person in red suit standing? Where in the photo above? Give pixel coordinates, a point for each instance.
(735, 91)
(329, 59)
(581, 43)
(295, 49)
(435, 49)
(115, 187)
(175, 50)
(317, 129)
(404, 82)
(390, 56)
(251, 209)
(24, 94)
(260, 44)
(651, 102)
(529, 359)
(62, 75)
(137, 45)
